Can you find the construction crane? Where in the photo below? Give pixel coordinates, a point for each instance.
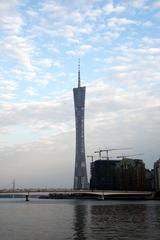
(125, 156)
(91, 156)
(99, 152)
(113, 149)
(109, 157)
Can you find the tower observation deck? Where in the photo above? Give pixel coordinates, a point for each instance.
(80, 174)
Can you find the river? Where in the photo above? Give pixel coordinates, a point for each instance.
(79, 220)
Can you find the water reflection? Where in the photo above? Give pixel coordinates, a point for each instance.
(123, 222)
(116, 221)
(153, 221)
(80, 219)
(86, 220)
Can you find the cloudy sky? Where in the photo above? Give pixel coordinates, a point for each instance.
(118, 43)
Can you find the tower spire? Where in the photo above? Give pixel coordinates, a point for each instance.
(79, 75)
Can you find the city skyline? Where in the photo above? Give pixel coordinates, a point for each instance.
(40, 42)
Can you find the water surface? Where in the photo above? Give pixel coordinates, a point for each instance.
(79, 219)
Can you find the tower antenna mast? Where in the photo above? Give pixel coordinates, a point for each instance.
(79, 75)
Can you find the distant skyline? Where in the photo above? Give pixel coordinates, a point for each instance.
(118, 43)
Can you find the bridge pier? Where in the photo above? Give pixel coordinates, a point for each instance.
(27, 198)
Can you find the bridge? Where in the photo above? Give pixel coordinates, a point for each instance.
(78, 194)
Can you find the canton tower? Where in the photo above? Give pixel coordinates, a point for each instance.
(80, 173)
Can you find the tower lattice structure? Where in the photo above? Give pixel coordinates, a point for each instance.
(80, 173)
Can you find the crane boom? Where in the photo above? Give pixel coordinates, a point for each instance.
(125, 156)
(91, 156)
(99, 152)
(113, 149)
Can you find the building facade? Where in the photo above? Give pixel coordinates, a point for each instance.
(131, 174)
(157, 175)
(104, 175)
(149, 180)
(80, 173)
(126, 174)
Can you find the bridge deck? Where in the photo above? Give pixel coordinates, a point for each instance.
(97, 193)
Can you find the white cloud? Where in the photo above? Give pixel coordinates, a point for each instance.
(18, 48)
(76, 16)
(85, 47)
(156, 4)
(93, 14)
(50, 112)
(137, 3)
(10, 19)
(47, 62)
(115, 26)
(7, 89)
(45, 154)
(110, 8)
(120, 68)
(11, 23)
(80, 51)
(114, 22)
(67, 22)
(53, 49)
(5, 5)
(53, 7)
(154, 50)
(32, 13)
(148, 24)
(5, 130)
(30, 91)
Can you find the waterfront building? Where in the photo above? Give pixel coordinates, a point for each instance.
(80, 173)
(149, 180)
(126, 174)
(103, 175)
(131, 174)
(157, 175)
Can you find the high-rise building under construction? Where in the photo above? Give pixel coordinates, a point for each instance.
(80, 174)
(125, 175)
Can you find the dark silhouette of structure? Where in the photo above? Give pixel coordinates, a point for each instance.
(80, 174)
(126, 174)
(157, 175)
